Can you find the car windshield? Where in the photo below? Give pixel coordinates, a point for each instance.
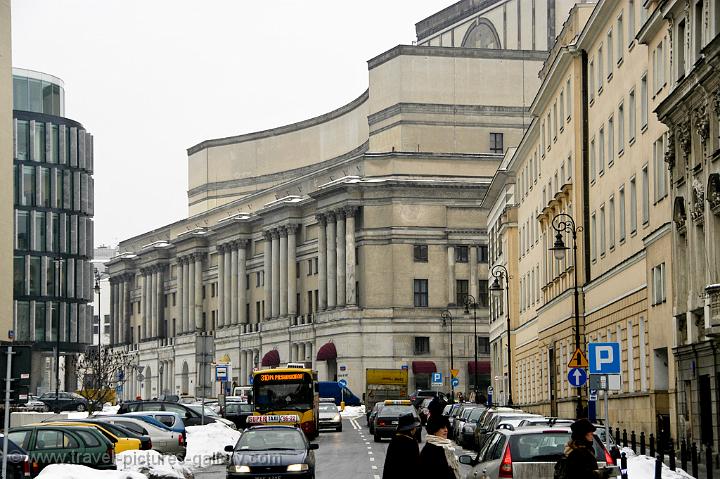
(198, 409)
(475, 414)
(396, 410)
(543, 447)
(267, 439)
(328, 407)
(237, 408)
(284, 396)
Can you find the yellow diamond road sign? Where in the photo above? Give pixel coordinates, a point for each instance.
(454, 372)
(578, 360)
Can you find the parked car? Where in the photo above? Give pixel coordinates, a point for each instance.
(272, 451)
(238, 412)
(418, 395)
(330, 416)
(509, 416)
(18, 460)
(466, 436)
(34, 404)
(170, 419)
(51, 443)
(372, 414)
(64, 401)
(164, 439)
(331, 389)
(189, 415)
(527, 453)
(460, 419)
(482, 428)
(123, 442)
(545, 421)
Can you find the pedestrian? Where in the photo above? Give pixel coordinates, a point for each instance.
(402, 458)
(437, 458)
(436, 406)
(580, 453)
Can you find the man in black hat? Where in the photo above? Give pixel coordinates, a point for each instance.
(581, 461)
(402, 458)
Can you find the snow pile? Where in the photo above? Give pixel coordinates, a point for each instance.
(353, 411)
(206, 444)
(72, 471)
(110, 409)
(152, 464)
(643, 467)
(77, 415)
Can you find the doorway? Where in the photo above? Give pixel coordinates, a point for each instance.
(705, 404)
(552, 382)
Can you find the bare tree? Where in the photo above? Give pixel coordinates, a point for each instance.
(100, 373)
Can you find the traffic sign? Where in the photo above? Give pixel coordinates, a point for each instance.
(454, 372)
(577, 377)
(342, 383)
(593, 395)
(436, 379)
(140, 377)
(578, 359)
(250, 380)
(221, 372)
(604, 358)
(455, 382)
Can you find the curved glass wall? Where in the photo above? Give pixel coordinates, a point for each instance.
(38, 92)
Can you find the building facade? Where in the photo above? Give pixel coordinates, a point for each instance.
(691, 111)
(53, 185)
(593, 157)
(340, 240)
(6, 184)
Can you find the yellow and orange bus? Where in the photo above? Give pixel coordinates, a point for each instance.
(286, 396)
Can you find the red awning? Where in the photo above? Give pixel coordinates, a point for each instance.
(271, 358)
(326, 351)
(423, 367)
(483, 367)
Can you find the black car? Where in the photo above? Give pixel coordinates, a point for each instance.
(238, 413)
(387, 419)
(272, 451)
(64, 401)
(18, 463)
(189, 415)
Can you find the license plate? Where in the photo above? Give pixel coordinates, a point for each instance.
(394, 423)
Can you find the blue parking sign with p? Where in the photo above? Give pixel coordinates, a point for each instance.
(604, 358)
(436, 378)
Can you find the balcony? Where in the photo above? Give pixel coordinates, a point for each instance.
(713, 292)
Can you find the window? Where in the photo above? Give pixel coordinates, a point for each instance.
(310, 267)
(461, 291)
(631, 116)
(611, 141)
(483, 296)
(420, 253)
(54, 439)
(658, 279)
(602, 230)
(601, 151)
(643, 102)
(680, 48)
(483, 345)
(315, 264)
(461, 254)
(611, 223)
(660, 171)
(23, 140)
(420, 291)
(659, 67)
(600, 69)
(39, 142)
(593, 238)
(496, 143)
(633, 205)
(631, 20)
(562, 110)
(621, 128)
(22, 230)
(568, 98)
(591, 79)
(646, 196)
(609, 48)
(621, 206)
(422, 345)
(620, 40)
(592, 160)
(483, 253)
(698, 28)
(555, 121)
(28, 186)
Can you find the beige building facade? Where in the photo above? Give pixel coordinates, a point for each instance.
(6, 171)
(594, 152)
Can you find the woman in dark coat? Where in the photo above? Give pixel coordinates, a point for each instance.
(437, 459)
(581, 460)
(402, 458)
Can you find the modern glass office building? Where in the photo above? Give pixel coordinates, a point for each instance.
(53, 165)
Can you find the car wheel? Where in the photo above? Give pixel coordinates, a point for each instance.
(80, 407)
(339, 428)
(376, 437)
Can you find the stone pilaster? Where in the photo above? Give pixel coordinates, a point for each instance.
(198, 258)
(451, 275)
(186, 295)
(473, 290)
(331, 262)
(227, 285)
(340, 258)
(220, 285)
(191, 293)
(180, 328)
(322, 261)
(234, 285)
(242, 281)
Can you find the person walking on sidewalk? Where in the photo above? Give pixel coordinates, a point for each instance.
(437, 458)
(580, 452)
(402, 458)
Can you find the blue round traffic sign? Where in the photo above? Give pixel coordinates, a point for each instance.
(342, 383)
(455, 382)
(577, 377)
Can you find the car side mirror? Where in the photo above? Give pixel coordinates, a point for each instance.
(313, 446)
(467, 459)
(229, 448)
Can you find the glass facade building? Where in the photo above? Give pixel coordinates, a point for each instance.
(53, 165)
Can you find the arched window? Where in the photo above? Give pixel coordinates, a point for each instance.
(481, 35)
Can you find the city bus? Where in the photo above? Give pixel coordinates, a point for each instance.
(286, 396)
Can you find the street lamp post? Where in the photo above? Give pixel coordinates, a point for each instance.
(446, 316)
(500, 271)
(98, 384)
(564, 223)
(470, 302)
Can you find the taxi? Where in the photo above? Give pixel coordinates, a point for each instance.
(120, 444)
(387, 418)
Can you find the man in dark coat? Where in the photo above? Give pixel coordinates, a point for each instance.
(581, 460)
(402, 458)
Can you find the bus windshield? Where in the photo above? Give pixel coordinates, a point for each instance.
(278, 395)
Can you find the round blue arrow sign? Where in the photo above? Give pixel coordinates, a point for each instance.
(342, 383)
(455, 382)
(577, 377)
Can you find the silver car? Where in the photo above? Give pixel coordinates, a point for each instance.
(164, 440)
(330, 416)
(527, 453)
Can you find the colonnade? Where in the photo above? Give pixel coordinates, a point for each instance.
(189, 293)
(120, 311)
(336, 258)
(152, 301)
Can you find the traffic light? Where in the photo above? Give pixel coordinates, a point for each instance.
(19, 373)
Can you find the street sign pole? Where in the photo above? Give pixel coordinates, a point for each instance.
(8, 370)
(607, 417)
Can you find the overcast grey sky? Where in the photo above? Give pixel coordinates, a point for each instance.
(150, 78)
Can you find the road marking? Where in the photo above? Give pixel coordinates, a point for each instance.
(375, 476)
(370, 452)
(372, 459)
(374, 467)
(369, 447)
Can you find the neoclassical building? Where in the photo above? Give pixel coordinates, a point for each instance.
(340, 240)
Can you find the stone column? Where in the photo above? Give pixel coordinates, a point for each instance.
(126, 316)
(473, 290)
(331, 262)
(234, 285)
(186, 295)
(341, 256)
(451, 275)
(292, 270)
(198, 293)
(161, 331)
(283, 272)
(150, 318)
(350, 292)
(191, 292)
(179, 328)
(242, 282)
(144, 301)
(119, 326)
(293, 353)
(113, 295)
(243, 368)
(322, 261)
(220, 285)
(309, 354)
(155, 302)
(275, 274)
(227, 283)
(301, 352)
(267, 274)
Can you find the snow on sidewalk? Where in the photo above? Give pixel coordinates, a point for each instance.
(72, 471)
(152, 464)
(353, 411)
(643, 467)
(206, 444)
